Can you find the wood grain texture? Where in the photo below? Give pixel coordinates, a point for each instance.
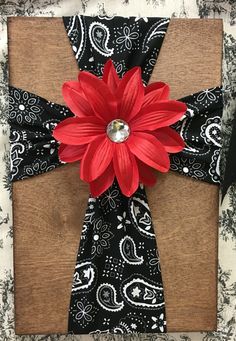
(49, 209)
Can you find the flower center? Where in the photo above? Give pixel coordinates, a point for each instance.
(96, 237)
(118, 131)
(185, 170)
(21, 107)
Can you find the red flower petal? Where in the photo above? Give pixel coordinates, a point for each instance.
(96, 159)
(155, 92)
(130, 94)
(100, 97)
(76, 100)
(69, 153)
(149, 150)
(170, 139)
(77, 131)
(126, 169)
(101, 184)
(146, 174)
(110, 76)
(158, 115)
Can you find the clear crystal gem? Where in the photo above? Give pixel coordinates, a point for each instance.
(118, 131)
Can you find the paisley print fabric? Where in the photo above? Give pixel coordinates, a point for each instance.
(201, 131)
(117, 286)
(35, 151)
(127, 41)
(32, 119)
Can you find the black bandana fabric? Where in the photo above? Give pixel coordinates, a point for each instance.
(35, 151)
(117, 286)
(201, 132)
(128, 42)
(32, 118)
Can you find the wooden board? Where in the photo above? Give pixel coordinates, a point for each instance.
(47, 222)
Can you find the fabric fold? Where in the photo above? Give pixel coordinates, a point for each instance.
(117, 286)
(32, 118)
(201, 131)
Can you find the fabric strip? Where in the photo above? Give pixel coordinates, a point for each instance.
(117, 285)
(32, 118)
(201, 131)
(128, 42)
(35, 151)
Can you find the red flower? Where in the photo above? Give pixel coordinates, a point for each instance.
(120, 129)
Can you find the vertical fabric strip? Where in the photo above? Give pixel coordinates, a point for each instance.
(117, 286)
(128, 42)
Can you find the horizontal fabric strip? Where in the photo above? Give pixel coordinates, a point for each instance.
(35, 151)
(201, 131)
(32, 118)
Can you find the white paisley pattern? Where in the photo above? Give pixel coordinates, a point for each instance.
(141, 292)
(214, 169)
(32, 137)
(106, 297)
(124, 39)
(99, 36)
(85, 276)
(211, 131)
(157, 30)
(17, 148)
(201, 130)
(139, 211)
(128, 251)
(119, 252)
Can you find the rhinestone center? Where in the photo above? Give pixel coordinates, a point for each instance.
(118, 131)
